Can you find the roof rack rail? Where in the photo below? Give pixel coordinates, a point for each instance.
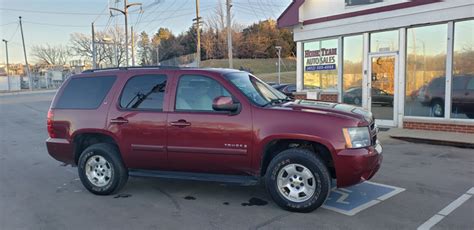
(133, 67)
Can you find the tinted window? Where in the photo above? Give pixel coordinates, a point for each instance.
(85, 92)
(292, 88)
(144, 92)
(470, 84)
(458, 83)
(197, 93)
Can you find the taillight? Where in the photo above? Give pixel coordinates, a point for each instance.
(50, 124)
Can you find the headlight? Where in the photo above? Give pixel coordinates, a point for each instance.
(356, 137)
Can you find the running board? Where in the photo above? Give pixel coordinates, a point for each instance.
(231, 179)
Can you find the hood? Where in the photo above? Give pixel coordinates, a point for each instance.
(344, 109)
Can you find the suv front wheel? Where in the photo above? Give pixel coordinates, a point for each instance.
(298, 180)
(101, 169)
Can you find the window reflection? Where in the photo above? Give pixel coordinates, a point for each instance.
(352, 70)
(384, 41)
(426, 71)
(320, 64)
(462, 90)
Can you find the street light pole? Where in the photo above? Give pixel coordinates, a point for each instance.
(6, 52)
(125, 13)
(279, 63)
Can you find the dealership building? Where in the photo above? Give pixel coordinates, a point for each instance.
(410, 62)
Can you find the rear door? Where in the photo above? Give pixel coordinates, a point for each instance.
(139, 120)
(201, 139)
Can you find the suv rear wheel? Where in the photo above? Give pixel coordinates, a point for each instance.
(437, 108)
(298, 180)
(101, 170)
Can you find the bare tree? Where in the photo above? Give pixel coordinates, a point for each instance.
(51, 55)
(110, 46)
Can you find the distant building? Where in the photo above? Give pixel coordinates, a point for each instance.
(410, 62)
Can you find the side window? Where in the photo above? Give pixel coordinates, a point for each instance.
(85, 92)
(470, 84)
(144, 92)
(196, 93)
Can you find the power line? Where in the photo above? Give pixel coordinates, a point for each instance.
(50, 12)
(14, 33)
(10, 23)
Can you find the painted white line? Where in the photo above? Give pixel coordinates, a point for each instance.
(431, 222)
(470, 191)
(390, 194)
(446, 210)
(455, 204)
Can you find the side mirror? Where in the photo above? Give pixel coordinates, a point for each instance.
(223, 103)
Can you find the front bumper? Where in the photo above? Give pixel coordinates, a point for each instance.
(357, 165)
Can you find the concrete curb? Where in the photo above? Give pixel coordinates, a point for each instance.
(462, 140)
(27, 92)
(435, 142)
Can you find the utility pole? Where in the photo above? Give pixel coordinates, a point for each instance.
(229, 35)
(279, 63)
(125, 13)
(158, 54)
(30, 80)
(94, 49)
(133, 46)
(6, 51)
(198, 49)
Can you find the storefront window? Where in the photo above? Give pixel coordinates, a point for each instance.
(320, 64)
(352, 69)
(384, 41)
(462, 90)
(426, 71)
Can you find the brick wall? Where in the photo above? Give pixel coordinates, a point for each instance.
(458, 128)
(329, 97)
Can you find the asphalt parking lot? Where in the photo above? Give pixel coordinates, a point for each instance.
(37, 192)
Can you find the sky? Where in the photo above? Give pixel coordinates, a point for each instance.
(53, 21)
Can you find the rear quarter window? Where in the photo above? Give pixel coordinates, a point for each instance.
(85, 92)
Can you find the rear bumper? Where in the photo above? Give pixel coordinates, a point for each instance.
(357, 165)
(60, 149)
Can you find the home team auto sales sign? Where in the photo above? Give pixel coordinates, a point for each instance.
(321, 59)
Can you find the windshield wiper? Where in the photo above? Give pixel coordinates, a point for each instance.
(279, 100)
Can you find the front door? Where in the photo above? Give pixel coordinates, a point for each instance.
(201, 139)
(381, 88)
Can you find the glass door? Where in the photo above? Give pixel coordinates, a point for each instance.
(381, 88)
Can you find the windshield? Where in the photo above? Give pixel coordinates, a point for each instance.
(254, 89)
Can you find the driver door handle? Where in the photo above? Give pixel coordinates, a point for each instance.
(180, 123)
(119, 120)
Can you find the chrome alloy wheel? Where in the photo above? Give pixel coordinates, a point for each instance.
(98, 171)
(438, 110)
(296, 183)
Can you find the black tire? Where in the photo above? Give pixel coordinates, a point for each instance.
(312, 162)
(437, 108)
(118, 176)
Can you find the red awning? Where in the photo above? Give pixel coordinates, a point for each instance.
(290, 16)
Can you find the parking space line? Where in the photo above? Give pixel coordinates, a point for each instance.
(447, 210)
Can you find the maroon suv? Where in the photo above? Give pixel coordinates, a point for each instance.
(208, 124)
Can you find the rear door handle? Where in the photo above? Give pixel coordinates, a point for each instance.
(180, 123)
(118, 120)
